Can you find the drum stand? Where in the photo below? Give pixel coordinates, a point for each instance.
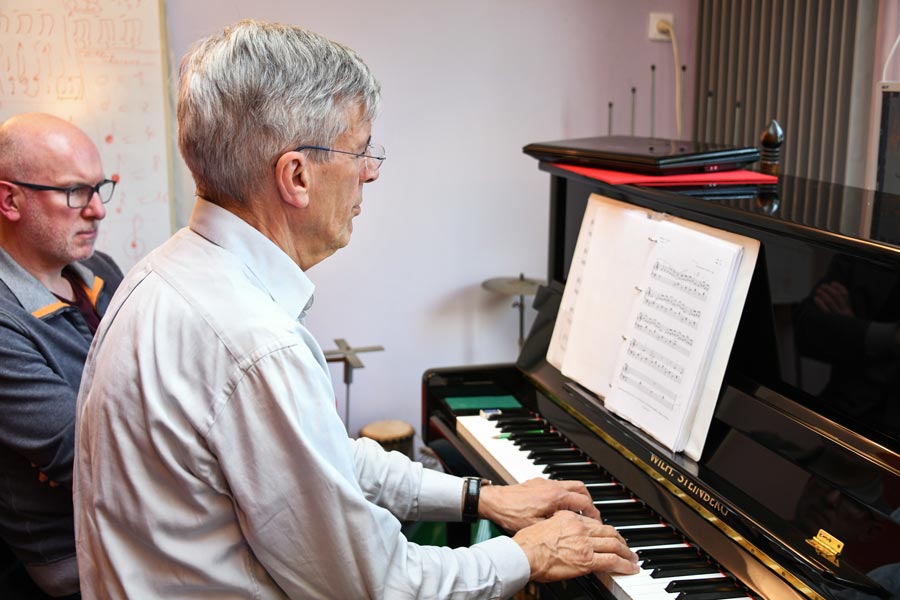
(348, 355)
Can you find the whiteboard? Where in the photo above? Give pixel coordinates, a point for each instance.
(99, 64)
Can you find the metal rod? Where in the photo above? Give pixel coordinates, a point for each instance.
(521, 321)
(609, 120)
(652, 100)
(681, 91)
(633, 96)
(347, 408)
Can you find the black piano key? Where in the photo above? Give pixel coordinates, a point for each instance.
(626, 520)
(563, 472)
(691, 560)
(544, 457)
(716, 584)
(530, 444)
(683, 551)
(596, 480)
(533, 427)
(642, 516)
(609, 493)
(628, 508)
(510, 413)
(530, 434)
(650, 537)
(551, 467)
(724, 595)
(683, 571)
(507, 420)
(529, 441)
(572, 472)
(552, 450)
(559, 459)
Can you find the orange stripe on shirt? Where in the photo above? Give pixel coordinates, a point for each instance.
(94, 292)
(49, 309)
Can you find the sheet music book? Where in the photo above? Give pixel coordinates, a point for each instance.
(649, 314)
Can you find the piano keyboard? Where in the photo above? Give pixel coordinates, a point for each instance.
(520, 445)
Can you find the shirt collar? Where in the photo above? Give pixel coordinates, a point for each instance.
(31, 293)
(280, 276)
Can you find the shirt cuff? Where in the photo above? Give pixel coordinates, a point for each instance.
(440, 496)
(509, 561)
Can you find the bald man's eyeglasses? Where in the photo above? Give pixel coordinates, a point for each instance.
(77, 196)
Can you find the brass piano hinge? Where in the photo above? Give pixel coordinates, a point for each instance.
(827, 546)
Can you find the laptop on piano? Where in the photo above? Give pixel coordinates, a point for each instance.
(652, 156)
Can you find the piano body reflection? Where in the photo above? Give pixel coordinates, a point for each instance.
(797, 492)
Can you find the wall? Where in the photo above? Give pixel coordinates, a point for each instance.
(466, 85)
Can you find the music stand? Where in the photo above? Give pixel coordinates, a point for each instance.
(348, 355)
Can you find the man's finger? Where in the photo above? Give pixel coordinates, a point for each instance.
(605, 563)
(579, 499)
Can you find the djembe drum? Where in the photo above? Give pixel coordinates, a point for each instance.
(391, 434)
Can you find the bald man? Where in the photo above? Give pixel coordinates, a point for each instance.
(54, 288)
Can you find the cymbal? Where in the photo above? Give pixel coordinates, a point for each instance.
(512, 286)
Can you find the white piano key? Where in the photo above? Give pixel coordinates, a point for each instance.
(511, 462)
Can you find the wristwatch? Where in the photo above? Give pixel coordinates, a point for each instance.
(471, 493)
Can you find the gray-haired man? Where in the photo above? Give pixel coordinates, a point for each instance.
(211, 461)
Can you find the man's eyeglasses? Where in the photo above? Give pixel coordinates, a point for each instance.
(77, 196)
(374, 154)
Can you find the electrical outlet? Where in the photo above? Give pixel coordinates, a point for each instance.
(653, 33)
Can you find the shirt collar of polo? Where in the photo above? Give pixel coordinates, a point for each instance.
(281, 277)
(31, 293)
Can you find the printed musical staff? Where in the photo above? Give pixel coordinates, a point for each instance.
(668, 336)
(657, 361)
(674, 307)
(682, 280)
(647, 387)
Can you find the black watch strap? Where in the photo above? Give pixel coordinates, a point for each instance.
(470, 499)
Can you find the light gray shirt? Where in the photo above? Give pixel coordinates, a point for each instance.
(210, 459)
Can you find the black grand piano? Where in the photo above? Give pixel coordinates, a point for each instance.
(797, 492)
